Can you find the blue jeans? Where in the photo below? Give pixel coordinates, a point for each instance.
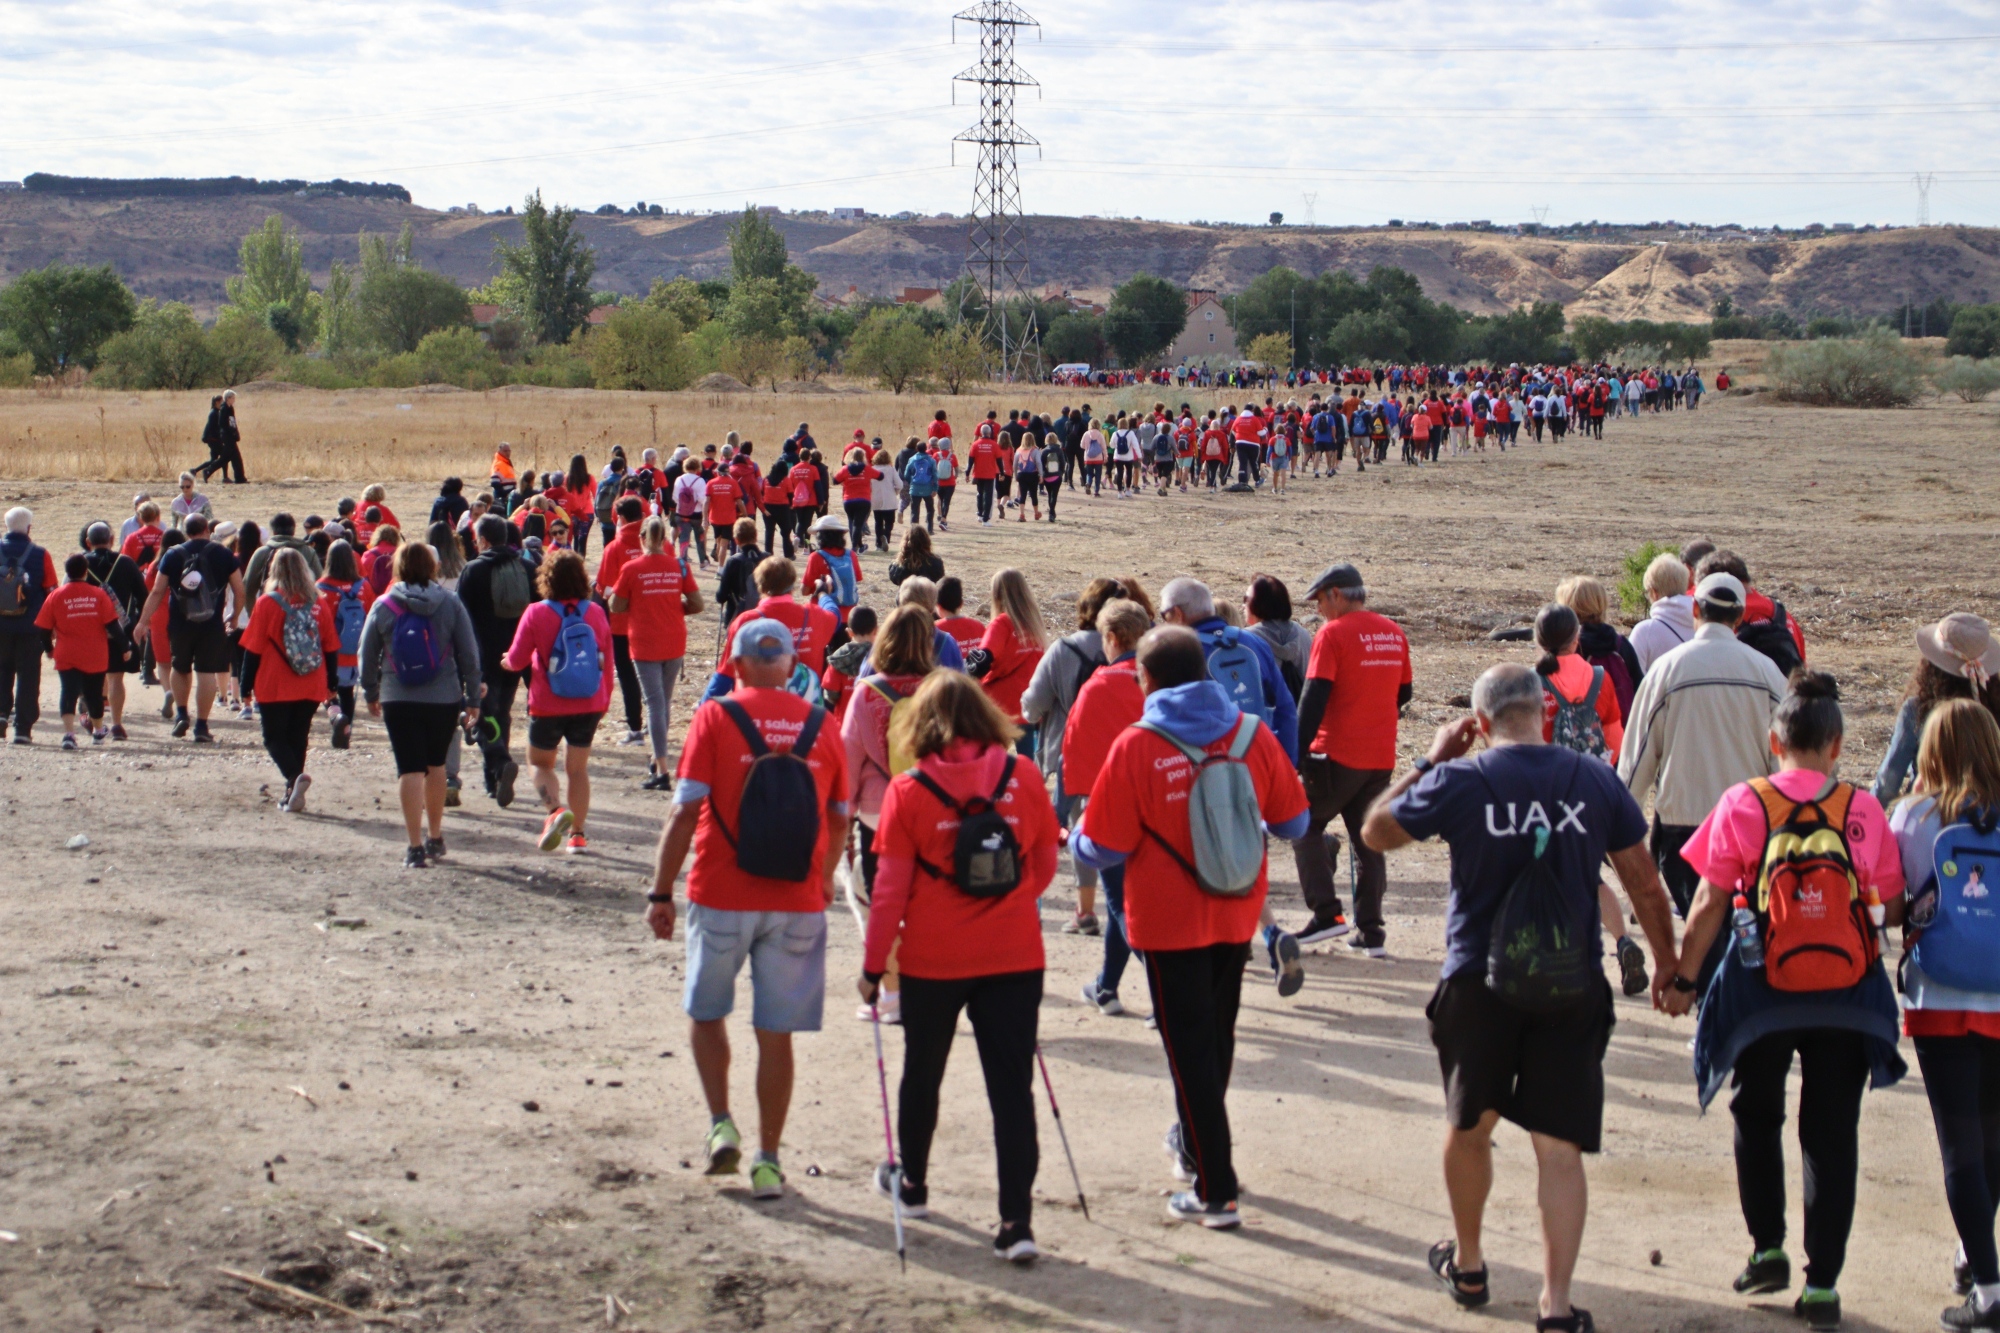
(1116, 952)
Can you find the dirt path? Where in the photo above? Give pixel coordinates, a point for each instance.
(202, 1068)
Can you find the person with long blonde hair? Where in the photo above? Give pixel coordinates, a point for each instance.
(1014, 642)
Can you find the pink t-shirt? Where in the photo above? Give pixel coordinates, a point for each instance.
(1728, 848)
(535, 639)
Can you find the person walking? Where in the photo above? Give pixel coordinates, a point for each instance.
(1046, 705)
(1358, 679)
(423, 637)
(288, 647)
(1669, 621)
(77, 617)
(563, 646)
(1541, 1067)
(1807, 861)
(622, 547)
(1014, 642)
(1714, 735)
(1105, 705)
(736, 585)
(656, 593)
(1267, 613)
(496, 589)
(27, 577)
(963, 944)
(744, 904)
(1194, 942)
(195, 579)
(348, 598)
(122, 578)
(1957, 658)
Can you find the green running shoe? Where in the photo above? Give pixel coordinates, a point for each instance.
(724, 1148)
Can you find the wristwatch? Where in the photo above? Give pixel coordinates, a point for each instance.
(659, 897)
(1423, 765)
(1682, 984)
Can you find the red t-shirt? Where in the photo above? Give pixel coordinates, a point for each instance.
(276, 682)
(723, 494)
(535, 639)
(946, 934)
(78, 613)
(1144, 785)
(856, 485)
(983, 458)
(938, 430)
(716, 755)
(812, 628)
(143, 543)
(1248, 428)
(1366, 658)
(1014, 661)
(625, 546)
(330, 594)
(966, 631)
(1110, 701)
(652, 586)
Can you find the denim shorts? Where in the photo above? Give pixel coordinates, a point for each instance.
(787, 955)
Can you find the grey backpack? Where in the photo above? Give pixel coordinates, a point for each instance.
(1226, 826)
(1577, 726)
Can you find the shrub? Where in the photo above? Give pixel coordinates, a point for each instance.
(641, 346)
(557, 366)
(1874, 370)
(16, 372)
(243, 349)
(1975, 331)
(1973, 381)
(164, 349)
(1632, 576)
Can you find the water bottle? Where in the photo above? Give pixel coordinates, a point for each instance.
(1749, 945)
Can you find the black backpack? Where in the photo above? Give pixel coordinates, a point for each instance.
(19, 584)
(986, 858)
(780, 803)
(1773, 638)
(1541, 955)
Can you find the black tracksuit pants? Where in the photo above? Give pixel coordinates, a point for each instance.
(1195, 997)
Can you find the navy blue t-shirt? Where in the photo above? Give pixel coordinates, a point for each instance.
(1488, 810)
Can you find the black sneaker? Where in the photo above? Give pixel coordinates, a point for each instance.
(1329, 925)
(1969, 1315)
(1632, 962)
(1369, 943)
(434, 849)
(503, 790)
(1820, 1309)
(413, 859)
(1016, 1244)
(201, 734)
(343, 733)
(1768, 1271)
(916, 1198)
(1961, 1275)
(181, 724)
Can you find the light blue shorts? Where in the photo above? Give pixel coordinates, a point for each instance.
(787, 956)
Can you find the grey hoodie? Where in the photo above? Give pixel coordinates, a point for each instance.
(1669, 625)
(457, 680)
(1052, 689)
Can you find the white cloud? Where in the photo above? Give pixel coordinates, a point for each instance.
(1709, 110)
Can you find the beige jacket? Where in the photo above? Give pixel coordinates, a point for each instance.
(1700, 724)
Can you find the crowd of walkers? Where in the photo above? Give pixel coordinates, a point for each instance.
(940, 770)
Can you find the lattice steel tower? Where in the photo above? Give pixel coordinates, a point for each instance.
(997, 252)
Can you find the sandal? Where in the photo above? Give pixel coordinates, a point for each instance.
(1578, 1320)
(1467, 1287)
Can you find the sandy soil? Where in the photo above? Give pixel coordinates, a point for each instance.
(476, 1111)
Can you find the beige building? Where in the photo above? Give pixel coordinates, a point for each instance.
(1209, 338)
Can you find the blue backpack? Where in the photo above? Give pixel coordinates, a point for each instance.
(574, 669)
(841, 563)
(1960, 947)
(349, 615)
(1235, 666)
(413, 646)
(921, 474)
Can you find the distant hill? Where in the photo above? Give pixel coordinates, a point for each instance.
(181, 249)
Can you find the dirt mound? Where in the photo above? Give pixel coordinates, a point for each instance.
(805, 386)
(270, 386)
(720, 383)
(439, 388)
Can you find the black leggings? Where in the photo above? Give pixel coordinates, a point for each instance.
(1051, 488)
(885, 526)
(1004, 1011)
(1833, 1072)
(778, 527)
(944, 502)
(1196, 993)
(1962, 1079)
(628, 683)
(287, 731)
(84, 687)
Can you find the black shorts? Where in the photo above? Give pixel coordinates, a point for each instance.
(1544, 1072)
(202, 647)
(578, 729)
(420, 734)
(722, 531)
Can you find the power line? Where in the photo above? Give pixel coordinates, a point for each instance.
(1571, 114)
(1372, 49)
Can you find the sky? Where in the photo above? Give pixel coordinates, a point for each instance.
(1708, 111)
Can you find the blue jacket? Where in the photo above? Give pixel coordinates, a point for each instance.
(1284, 709)
(1198, 714)
(1740, 1006)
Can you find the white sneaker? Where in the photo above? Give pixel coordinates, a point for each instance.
(632, 738)
(295, 799)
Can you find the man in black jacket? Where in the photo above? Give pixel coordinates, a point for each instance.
(118, 575)
(494, 620)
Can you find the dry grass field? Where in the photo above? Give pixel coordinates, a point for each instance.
(476, 1111)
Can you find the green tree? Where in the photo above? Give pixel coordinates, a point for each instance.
(164, 348)
(1075, 337)
(1270, 349)
(682, 298)
(1367, 335)
(1975, 332)
(337, 319)
(642, 346)
(397, 302)
(1596, 337)
(272, 273)
(62, 315)
(243, 349)
(1145, 316)
(1526, 334)
(958, 357)
(554, 266)
(760, 308)
(756, 248)
(448, 356)
(889, 347)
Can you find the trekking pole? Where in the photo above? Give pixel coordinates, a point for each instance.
(1062, 1133)
(889, 1137)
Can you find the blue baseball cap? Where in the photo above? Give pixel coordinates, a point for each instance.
(764, 639)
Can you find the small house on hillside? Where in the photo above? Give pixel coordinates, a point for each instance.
(1209, 338)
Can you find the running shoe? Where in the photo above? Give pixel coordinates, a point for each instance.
(1324, 926)
(167, 707)
(1369, 943)
(118, 732)
(295, 799)
(413, 859)
(632, 738)
(202, 736)
(1767, 1271)
(248, 713)
(1970, 1316)
(766, 1180)
(1188, 1207)
(452, 800)
(1183, 1165)
(1961, 1274)
(1083, 923)
(916, 1199)
(68, 741)
(343, 732)
(181, 724)
(1286, 969)
(503, 791)
(888, 1007)
(101, 735)
(1632, 962)
(724, 1148)
(1016, 1244)
(434, 849)
(1107, 1001)
(555, 828)
(577, 845)
(23, 738)
(658, 782)
(1819, 1307)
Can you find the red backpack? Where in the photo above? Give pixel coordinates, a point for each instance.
(1816, 931)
